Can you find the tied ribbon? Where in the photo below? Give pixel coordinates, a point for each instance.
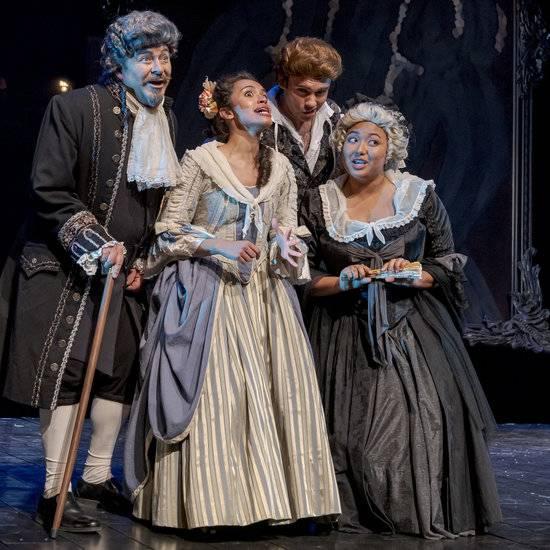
(377, 311)
(253, 214)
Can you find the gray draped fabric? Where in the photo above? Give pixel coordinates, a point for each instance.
(182, 304)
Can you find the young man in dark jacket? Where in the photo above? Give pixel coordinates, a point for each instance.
(303, 116)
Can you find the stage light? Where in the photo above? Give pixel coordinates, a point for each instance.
(63, 85)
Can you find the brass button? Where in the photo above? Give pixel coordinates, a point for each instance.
(116, 158)
(118, 134)
(76, 296)
(62, 343)
(103, 206)
(69, 319)
(54, 367)
(109, 183)
(116, 110)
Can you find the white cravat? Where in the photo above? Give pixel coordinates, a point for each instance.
(152, 161)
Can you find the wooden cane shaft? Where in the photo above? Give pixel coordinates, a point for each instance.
(84, 399)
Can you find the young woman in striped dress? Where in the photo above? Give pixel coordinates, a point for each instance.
(228, 428)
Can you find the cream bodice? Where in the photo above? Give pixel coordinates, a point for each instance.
(209, 204)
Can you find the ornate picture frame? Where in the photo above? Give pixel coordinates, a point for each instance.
(527, 327)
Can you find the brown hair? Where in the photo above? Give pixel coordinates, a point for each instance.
(308, 56)
(219, 129)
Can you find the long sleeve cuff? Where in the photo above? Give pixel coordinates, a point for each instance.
(84, 238)
(448, 273)
(174, 244)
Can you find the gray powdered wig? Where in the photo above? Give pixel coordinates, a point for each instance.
(133, 32)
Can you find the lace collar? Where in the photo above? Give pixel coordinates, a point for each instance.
(408, 198)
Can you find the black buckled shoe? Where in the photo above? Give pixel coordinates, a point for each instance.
(107, 494)
(74, 519)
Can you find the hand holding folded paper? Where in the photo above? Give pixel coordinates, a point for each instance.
(412, 270)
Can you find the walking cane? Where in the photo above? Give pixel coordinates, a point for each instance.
(84, 399)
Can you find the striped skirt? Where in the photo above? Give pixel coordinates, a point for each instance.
(256, 448)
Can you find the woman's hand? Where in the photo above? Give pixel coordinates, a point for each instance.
(395, 265)
(134, 280)
(112, 256)
(354, 276)
(399, 264)
(241, 251)
(425, 281)
(287, 243)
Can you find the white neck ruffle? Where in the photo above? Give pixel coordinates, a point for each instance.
(407, 200)
(152, 161)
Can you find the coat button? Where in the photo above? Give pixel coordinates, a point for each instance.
(54, 367)
(109, 183)
(116, 110)
(103, 206)
(33, 260)
(69, 319)
(116, 158)
(76, 296)
(118, 134)
(62, 343)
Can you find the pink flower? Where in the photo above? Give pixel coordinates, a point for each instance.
(207, 106)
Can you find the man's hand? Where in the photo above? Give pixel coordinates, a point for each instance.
(113, 257)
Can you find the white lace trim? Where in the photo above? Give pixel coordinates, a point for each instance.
(89, 261)
(152, 161)
(408, 198)
(152, 183)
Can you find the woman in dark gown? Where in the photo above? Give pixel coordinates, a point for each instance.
(407, 417)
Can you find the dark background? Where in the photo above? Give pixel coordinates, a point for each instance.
(460, 109)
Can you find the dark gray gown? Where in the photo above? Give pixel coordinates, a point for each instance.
(407, 417)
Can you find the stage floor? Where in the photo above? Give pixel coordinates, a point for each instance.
(520, 453)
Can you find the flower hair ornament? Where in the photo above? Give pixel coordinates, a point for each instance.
(207, 106)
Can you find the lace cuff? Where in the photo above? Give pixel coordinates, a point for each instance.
(139, 265)
(88, 261)
(84, 238)
(298, 275)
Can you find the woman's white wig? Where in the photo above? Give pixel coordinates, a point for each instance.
(390, 120)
